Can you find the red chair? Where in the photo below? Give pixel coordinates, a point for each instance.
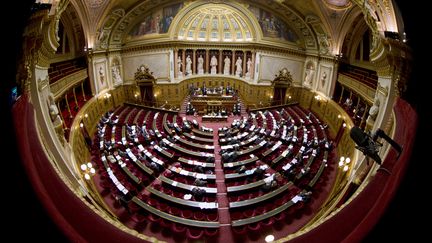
(174, 211)
(178, 228)
(198, 215)
(187, 214)
(212, 217)
(194, 233)
(211, 232)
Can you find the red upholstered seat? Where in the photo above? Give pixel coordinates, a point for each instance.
(212, 217)
(187, 214)
(211, 232)
(194, 233)
(198, 215)
(178, 228)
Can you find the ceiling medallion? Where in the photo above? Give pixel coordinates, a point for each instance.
(338, 4)
(96, 3)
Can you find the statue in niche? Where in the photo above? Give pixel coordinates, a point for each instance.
(116, 74)
(239, 68)
(143, 73)
(213, 64)
(309, 75)
(53, 110)
(200, 65)
(188, 65)
(227, 65)
(101, 75)
(248, 67)
(55, 118)
(179, 65)
(373, 111)
(323, 79)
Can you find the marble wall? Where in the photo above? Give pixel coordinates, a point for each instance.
(158, 63)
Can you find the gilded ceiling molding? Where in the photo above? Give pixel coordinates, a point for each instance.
(40, 42)
(324, 40)
(285, 12)
(96, 3)
(393, 60)
(105, 31)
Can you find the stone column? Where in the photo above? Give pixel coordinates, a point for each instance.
(363, 119)
(220, 62)
(75, 98)
(341, 96)
(207, 61)
(244, 64)
(233, 63)
(252, 71)
(194, 61)
(175, 63)
(67, 105)
(82, 90)
(183, 61)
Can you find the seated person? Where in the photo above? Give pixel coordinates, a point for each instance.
(328, 146)
(241, 169)
(155, 166)
(104, 120)
(259, 173)
(306, 196)
(210, 160)
(269, 185)
(198, 193)
(199, 169)
(199, 182)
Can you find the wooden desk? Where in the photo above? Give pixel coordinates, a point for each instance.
(176, 200)
(195, 175)
(207, 118)
(194, 162)
(209, 190)
(173, 218)
(246, 186)
(202, 133)
(261, 198)
(263, 216)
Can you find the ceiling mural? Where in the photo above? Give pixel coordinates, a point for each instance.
(157, 22)
(272, 26)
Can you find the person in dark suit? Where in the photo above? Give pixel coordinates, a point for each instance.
(199, 182)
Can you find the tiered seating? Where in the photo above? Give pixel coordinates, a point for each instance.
(160, 178)
(59, 70)
(365, 76)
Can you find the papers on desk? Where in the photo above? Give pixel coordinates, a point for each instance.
(296, 199)
(205, 205)
(286, 167)
(269, 179)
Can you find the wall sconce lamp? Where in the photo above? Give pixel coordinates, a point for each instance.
(88, 170)
(344, 162)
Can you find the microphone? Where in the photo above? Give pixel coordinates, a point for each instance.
(369, 145)
(360, 138)
(366, 143)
